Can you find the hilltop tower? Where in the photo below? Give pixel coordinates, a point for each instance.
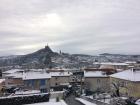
(48, 49)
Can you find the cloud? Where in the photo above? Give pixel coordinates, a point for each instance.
(75, 26)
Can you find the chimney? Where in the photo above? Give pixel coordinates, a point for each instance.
(134, 70)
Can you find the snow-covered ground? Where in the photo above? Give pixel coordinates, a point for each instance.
(51, 102)
(138, 102)
(84, 101)
(27, 92)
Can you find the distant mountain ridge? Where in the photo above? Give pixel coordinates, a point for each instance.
(109, 54)
(45, 57)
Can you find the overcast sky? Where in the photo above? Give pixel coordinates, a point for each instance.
(74, 26)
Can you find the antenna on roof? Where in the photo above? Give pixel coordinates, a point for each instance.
(133, 74)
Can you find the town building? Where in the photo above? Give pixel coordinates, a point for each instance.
(11, 71)
(96, 81)
(28, 79)
(13, 79)
(37, 81)
(59, 79)
(116, 66)
(126, 83)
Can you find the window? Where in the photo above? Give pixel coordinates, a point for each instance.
(42, 82)
(43, 90)
(32, 82)
(29, 83)
(98, 81)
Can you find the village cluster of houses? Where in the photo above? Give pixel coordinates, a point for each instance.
(34, 79)
(119, 79)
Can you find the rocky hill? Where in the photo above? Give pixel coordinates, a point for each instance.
(47, 58)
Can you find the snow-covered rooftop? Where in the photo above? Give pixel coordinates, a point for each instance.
(30, 75)
(112, 63)
(37, 70)
(95, 74)
(15, 75)
(58, 74)
(12, 71)
(130, 62)
(35, 75)
(107, 67)
(128, 75)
